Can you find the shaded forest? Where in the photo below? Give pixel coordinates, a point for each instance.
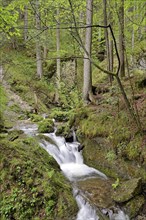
(81, 64)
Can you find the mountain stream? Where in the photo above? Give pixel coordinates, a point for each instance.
(71, 163)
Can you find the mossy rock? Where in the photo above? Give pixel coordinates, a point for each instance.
(32, 187)
(14, 134)
(59, 115)
(97, 189)
(135, 205)
(127, 190)
(46, 126)
(63, 130)
(35, 117)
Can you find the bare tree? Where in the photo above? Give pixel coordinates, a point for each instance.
(87, 83)
(106, 34)
(121, 39)
(25, 23)
(58, 70)
(38, 45)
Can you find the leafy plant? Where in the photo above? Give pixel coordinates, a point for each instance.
(116, 184)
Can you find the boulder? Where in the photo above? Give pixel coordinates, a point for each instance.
(135, 205)
(127, 190)
(98, 191)
(14, 134)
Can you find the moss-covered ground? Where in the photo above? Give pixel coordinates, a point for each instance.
(32, 186)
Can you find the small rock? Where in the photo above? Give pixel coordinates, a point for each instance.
(80, 147)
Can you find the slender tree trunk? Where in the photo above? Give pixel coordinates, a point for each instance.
(111, 56)
(109, 44)
(38, 45)
(121, 39)
(111, 47)
(45, 44)
(87, 83)
(106, 33)
(82, 30)
(25, 23)
(133, 35)
(45, 52)
(58, 63)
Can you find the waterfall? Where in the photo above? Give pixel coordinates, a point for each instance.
(71, 163)
(73, 167)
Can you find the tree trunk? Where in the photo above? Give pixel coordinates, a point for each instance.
(25, 23)
(87, 83)
(106, 33)
(45, 43)
(111, 47)
(121, 39)
(111, 56)
(38, 45)
(109, 44)
(58, 70)
(132, 36)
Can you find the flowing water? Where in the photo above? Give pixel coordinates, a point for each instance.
(72, 166)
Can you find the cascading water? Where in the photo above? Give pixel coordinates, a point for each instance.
(72, 166)
(71, 163)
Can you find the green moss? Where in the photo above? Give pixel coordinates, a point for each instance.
(14, 134)
(16, 108)
(59, 115)
(63, 130)
(46, 126)
(94, 124)
(119, 130)
(135, 205)
(127, 190)
(31, 186)
(133, 149)
(35, 117)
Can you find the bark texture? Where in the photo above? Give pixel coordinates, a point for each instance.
(87, 84)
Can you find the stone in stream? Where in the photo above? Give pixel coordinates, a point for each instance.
(80, 147)
(135, 205)
(127, 190)
(98, 191)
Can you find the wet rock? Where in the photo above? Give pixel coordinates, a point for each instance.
(69, 138)
(80, 147)
(127, 190)
(135, 205)
(98, 192)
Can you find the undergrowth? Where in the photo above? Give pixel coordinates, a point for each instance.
(32, 186)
